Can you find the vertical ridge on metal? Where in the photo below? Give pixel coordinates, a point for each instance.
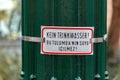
(78, 13)
(90, 21)
(100, 23)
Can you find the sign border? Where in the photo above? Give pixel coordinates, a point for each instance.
(66, 28)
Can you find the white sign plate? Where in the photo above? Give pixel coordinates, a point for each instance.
(67, 40)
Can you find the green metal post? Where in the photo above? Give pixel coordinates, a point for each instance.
(78, 13)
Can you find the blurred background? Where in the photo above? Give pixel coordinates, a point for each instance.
(113, 43)
(10, 44)
(10, 36)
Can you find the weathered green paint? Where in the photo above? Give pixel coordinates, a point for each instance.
(62, 13)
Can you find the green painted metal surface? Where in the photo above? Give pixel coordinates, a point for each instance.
(81, 13)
